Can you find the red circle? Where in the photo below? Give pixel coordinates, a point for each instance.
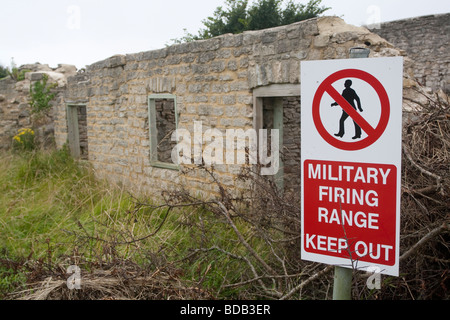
(385, 109)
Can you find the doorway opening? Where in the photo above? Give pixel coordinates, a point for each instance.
(77, 131)
(278, 107)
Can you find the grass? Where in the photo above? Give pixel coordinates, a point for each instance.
(44, 199)
(53, 209)
(40, 195)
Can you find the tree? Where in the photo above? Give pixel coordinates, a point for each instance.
(237, 17)
(265, 14)
(3, 72)
(295, 12)
(233, 19)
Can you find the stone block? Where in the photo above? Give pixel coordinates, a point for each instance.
(220, 87)
(201, 98)
(224, 54)
(36, 76)
(239, 86)
(200, 69)
(239, 51)
(322, 40)
(228, 99)
(230, 40)
(269, 36)
(204, 110)
(250, 37)
(198, 88)
(217, 66)
(234, 111)
(206, 57)
(283, 46)
(226, 77)
(232, 65)
(343, 37)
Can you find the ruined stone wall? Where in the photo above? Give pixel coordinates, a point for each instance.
(15, 111)
(426, 40)
(213, 81)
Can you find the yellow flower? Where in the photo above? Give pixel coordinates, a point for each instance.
(25, 131)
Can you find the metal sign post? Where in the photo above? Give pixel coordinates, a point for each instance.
(342, 286)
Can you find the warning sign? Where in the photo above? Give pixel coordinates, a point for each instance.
(351, 113)
(351, 210)
(345, 101)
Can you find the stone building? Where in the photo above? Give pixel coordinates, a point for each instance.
(120, 113)
(15, 111)
(242, 81)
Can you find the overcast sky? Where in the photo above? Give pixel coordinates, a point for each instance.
(81, 32)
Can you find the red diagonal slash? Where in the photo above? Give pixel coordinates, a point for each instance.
(350, 111)
(373, 134)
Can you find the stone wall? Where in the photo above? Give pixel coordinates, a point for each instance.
(425, 40)
(213, 81)
(15, 111)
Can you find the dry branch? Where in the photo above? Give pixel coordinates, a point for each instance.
(272, 268)
(307, 281)
(429, 236)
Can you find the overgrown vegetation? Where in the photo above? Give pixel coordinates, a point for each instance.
(3, 72)
(54, 214)
(237, 16)
(24, 140)
(41, 95)
(15, 73)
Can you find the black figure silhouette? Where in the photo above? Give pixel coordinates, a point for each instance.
(350, 95)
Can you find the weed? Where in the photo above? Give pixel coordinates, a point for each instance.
(41, 95)
(24, 140)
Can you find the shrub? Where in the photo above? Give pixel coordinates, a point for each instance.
(16, 74)
(24, 140)
(41, 95)
(3, 72)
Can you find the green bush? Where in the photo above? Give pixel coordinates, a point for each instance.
(41, 95)
(3, 72)
(237, 16)
(16, 74)
(11, 275)
(24, 140)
